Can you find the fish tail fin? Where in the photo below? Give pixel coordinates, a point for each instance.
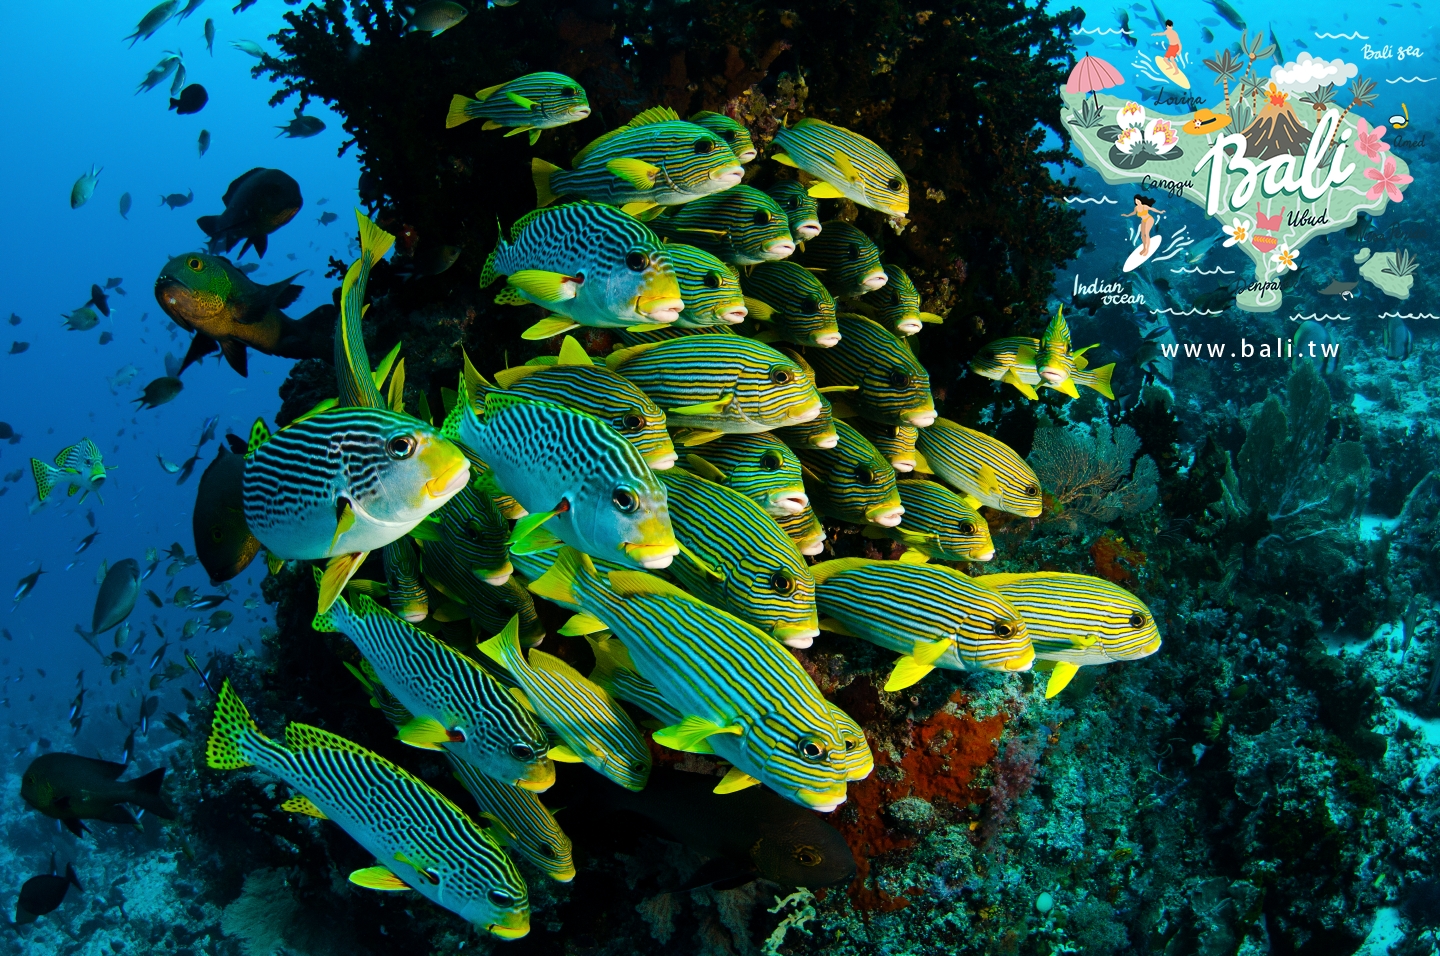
(231, 729)
(71, 877)
(374, 241)
(45, 475)
(541, 172)
(145, 793)
(1101, 383)
(558, 583)
(489, 273)
(459, 111)
(504, 648)
(209, 225)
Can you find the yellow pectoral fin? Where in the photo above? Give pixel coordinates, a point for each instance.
(784, 160)
(692, 733)
(337, 574)
(835, 627)
(378, 878)
(582, 623)
(640, 209)
(1068, 387)
(1062, 674)
(922, 464)
(847, 168)
(930, 318)
(697, 436)
(564, 754)
(303, 805)
(736, 779)
(907, 671)
(759, 310)
(636, 172)
(343, 523)
(543, 285)
(524, 102)
(646, 327)
(548, 328)
(426, 733)
(703, 408)
(824, 191)
(989, 482)
(930, 651)
(1024, 389)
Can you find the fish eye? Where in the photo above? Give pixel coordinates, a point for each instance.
(632, 422)
(782, 583)
(569, 91)
(854, 252)
(400, 447)
(807, 856)
(1003, 629)
(780, 376)
(625, 501)
(899, 379)
(196, 264)
(790, 203)
(637, 767)
(703, 146)
(521, 751)
(810, 304)
(547, 849)
(811, 750)
(762, 217)
(771, 461)
(712, 280)
(851, 744)
(1032, 490)
(729, 135)
(501, 898)
(216, 534)
(966, 528)
(894, 185)
(866, 474)
(1137, 619)
(637, 261)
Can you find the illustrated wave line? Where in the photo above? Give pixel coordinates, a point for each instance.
(1411, 79)
(1357, 35)
(1312, 317)
(1408, 315)
(1104, 32)
(1099, 202)
(1189, 311)
(1205, 272)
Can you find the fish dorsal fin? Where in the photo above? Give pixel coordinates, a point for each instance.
(259, 435)
(508, 377)
(475, 383)
(382, 371)
(619, 357)
(573, 353)
(828, 569)
(303, 805)
(485, 94)
(378, 878)
(705, 469)
(633, 583)
(551, 664)
(736, 779)
(655, 114)
(396, 395)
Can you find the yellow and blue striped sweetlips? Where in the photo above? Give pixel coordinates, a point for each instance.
(938, 523)
(759, 466)
(404, 591)
(791, 303)
(895, 442)
(710, 288)
(804, 529)
(895, 305)
(800, 207)
(891, 386)
(846, 260)
(852, 481)
(743, 695)
(977, 465)
(735, 134)
(527, 104)
(932, 615)
(422, 841)
(1014, 360)
(741, 225)
(848, 165)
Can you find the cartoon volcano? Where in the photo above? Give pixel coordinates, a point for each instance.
(1276, 131)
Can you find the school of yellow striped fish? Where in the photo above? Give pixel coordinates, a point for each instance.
(667, 495)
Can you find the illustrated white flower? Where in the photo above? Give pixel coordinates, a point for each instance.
(1238, 232)
(1284, 258)
(1129, 140)
(1161, 136)
(1132, 114)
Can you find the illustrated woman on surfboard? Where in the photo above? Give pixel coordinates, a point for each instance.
(1144, 211)
(1172, 40)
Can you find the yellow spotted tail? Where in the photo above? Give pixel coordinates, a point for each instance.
(231, 729)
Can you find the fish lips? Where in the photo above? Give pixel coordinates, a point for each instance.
(450, 482)
(874, 280)
(825, 339)
(651, 557)
(807, 230)
(920, 418)
(728, 176)
(662, 461)
(909, 325)
(496, 577)
(663, 309)
(797, 636)
(783, 503)
(780, 249)
(886, 516)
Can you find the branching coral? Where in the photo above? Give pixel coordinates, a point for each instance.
(1088, 472)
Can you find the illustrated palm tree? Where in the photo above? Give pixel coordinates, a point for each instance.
(1255, 50)
(1252, 84)
(1224, 66)
(1320, 100)
(1362, 93)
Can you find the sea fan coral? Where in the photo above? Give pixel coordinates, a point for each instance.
(1087, 473)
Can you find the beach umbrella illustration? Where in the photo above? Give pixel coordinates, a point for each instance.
(1091, 75)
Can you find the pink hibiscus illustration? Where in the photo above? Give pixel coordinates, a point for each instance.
(1386, 181)
(1371, 141)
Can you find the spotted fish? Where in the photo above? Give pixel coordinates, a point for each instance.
(801, 209)
(848, 165)
(1076, 619)
(744, 696)
(852, 481)
(456, 706)
(422, 840)
(528, 104)
(793, 305)
(845, 260)
(893, 388)
(759, 466)
(741, 225)
(739, 559)
(980, 466)
(924, 612)
(594, 728)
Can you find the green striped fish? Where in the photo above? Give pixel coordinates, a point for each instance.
(422, 841)
(851, 482)
(804, 529)
(793, 303)
(741, 225)
(800, 207)
(982, 467)
(718, 384)
(893, 387)
(1014, 360)
(848, 165)
(577, 476)
(594, 728)
(750, 567)
(526, 826)
(1052, 359)
(1076, 619)
(489, 606)
(573, 379)
(636, 336)
(744, 696)
(474, 532)
(818, 432)
(345, 481)
(656, 159)
(529, 104)
(895, 442)
(896, 304)
(403, 590)
(940, 524)
(616, 672)
(710, 289)
(845, 259)
(589, 264)
(858, 760)
(759, 466)
(457, 707)
(732, 131)
(932, 615)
